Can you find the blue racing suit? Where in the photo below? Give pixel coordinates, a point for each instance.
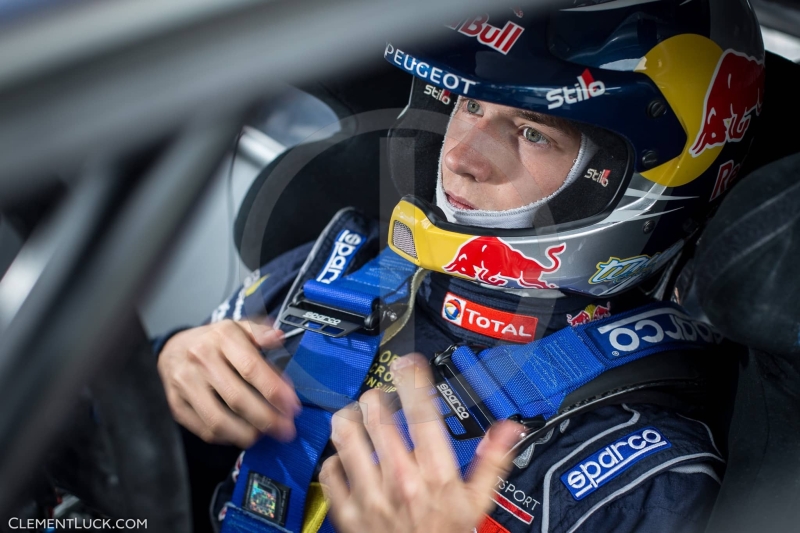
(625, 466)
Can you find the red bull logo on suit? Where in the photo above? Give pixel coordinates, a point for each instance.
(590, 314)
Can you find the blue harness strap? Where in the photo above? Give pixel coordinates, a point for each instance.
(532, 380)
(386, 278)
(327, 372)
(512, 380)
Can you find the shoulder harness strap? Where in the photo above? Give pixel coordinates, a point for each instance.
(327, 371)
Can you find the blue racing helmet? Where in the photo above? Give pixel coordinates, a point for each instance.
(668, 92)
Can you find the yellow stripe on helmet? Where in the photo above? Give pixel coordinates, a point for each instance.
(415, 238)
(684, 85)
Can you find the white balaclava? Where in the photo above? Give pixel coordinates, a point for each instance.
(520, 217)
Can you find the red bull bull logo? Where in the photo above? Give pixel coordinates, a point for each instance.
(589, 314)
(601, 312)
(735, 93)
(492, 261)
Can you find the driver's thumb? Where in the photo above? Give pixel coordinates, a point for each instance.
(262, 335)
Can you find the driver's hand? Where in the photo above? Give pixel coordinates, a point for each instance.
(220, 388)
(415, 491)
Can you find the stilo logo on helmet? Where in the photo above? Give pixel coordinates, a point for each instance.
(586, 88)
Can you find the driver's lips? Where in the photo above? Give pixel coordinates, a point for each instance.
(458, 202)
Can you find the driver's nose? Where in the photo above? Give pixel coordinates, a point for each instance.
(470, 157)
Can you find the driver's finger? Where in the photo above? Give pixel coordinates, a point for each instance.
(247, 402)
(263, 335)
(492, 460)
(397, 463)
(186, 416)
(334, 481)
(431, 448)
(239, 349)
(355, 452)
(218, 423)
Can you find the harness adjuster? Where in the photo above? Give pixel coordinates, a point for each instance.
(334, 322)
(475, 416)
(446, 373)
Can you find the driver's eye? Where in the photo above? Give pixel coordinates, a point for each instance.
(531, 135)
(473, 107)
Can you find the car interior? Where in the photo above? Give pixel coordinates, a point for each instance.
(105, 219)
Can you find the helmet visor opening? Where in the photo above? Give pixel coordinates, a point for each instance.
(510, 168)
(486, 165)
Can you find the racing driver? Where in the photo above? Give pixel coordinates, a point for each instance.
(577, 154)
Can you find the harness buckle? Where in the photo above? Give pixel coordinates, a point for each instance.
(336, 323)
(449, 380)
(473, 415)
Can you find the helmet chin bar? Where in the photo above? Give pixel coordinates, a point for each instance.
(523, 259)
(412, 220)
(419, 233)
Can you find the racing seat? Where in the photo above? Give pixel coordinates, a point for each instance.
(295, 196)
(746, 282)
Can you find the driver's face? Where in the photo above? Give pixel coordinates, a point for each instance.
(498, 157)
